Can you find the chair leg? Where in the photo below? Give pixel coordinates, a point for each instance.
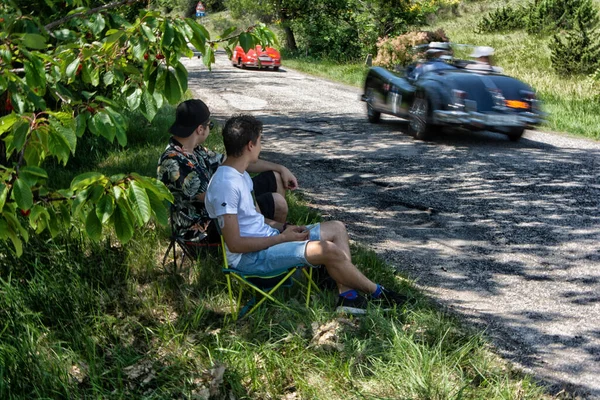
(266, 295)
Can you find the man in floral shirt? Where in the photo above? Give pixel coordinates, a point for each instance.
(186, 167)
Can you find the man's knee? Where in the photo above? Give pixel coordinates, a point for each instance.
(280, 208)
(280, 184)
(280, 203)
(332, 229)
(323, 252)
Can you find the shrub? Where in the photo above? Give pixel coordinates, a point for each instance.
(503, 19)
(398, 50)
(546, 16)
(576, 51)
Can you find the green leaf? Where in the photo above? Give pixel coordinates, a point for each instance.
(139, 49)
(201, 30)
(155, 186)
(34, 41)
(159, 210)
(20, 132)
(85, 180)
(112, 38)
(246, 41)
(59, 146)
(134, 99)
(81, 123)
(105, 208)
(228, 32)
(168, 34)
(65, 35)
(3, 194)
(67, 132)
(7, 121)
(209, 57)
(140, 203)
(72, 68)
(31, 175)
(38, 219)
(182, 76)
(95, 76)
(148, 33)
(34, 171)
(18, 245)
(172, 89)
(93, 227)
(35, 75)
(108, 78)
(97, 23)
(22, 194)
(148, 106)
(101, 124)
(122, 221)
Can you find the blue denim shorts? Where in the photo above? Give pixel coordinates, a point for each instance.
(280, 256)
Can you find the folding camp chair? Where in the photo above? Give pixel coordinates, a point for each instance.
(264, 284)
(190, 248)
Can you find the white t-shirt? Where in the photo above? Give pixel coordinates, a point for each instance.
(230, 192)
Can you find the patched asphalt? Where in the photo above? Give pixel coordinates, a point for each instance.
(504, 234)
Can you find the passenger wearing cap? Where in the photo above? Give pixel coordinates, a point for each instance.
(186, 168)
(435, 54)
(483, 60)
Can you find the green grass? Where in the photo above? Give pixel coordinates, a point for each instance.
(102, 320)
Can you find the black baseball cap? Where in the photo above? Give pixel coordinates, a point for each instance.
(190, 114)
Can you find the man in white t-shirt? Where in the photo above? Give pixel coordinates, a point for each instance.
(256, 245)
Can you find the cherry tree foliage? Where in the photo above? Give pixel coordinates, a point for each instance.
(82, 74)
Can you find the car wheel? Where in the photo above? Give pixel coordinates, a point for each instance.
(373, 115)
(239, 63)
(275, 68)
(515, 134)
(417, 117)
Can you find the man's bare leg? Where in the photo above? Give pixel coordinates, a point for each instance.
(335, 231)
(339, 266)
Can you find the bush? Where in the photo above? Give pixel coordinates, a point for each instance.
(546, 16)
(398, 50)
(576, 51)
(503, 19)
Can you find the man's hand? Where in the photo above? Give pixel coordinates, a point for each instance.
(289, 180)
(295, 233)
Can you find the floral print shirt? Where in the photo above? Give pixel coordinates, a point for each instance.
(187, 175)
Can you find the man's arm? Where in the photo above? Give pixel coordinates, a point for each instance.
(239, 244)
(289, 180)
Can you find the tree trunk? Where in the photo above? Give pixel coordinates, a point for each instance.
(290, 40)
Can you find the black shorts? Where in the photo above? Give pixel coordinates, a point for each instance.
(265, 185)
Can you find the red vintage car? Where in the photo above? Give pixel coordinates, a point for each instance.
(257, 57)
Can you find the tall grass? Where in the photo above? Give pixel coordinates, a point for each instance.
(101, 320)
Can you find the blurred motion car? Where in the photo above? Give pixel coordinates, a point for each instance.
(256, 57)
(456, 95)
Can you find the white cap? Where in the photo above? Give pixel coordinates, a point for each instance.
(440, 46)
(482, 51)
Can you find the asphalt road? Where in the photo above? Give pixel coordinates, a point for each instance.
(505, 234)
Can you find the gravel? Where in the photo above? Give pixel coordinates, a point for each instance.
(506, 235)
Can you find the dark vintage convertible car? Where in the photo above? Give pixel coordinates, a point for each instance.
(476, 99)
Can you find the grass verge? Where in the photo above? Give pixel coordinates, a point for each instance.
(82, 320)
